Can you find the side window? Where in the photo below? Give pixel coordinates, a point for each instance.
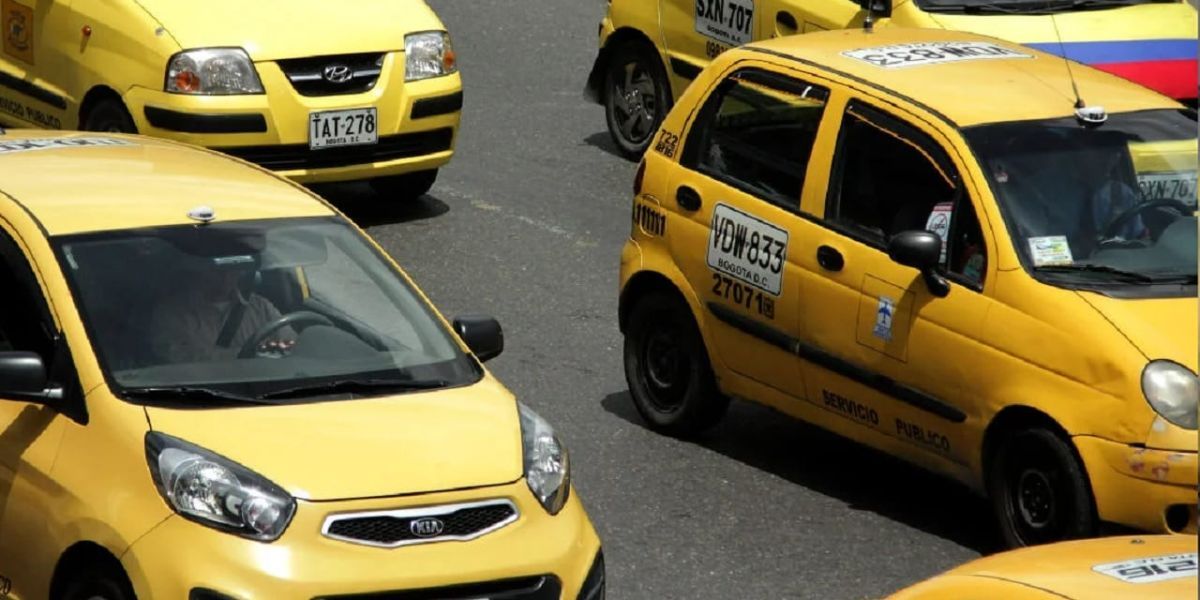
(756, 133)
(889, 177)
(24, 318)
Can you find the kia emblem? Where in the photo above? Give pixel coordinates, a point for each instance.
(426, 527)
(337, 73)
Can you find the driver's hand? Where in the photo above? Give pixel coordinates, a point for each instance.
(276, 348)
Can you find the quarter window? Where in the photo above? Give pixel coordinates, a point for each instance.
(756, 133)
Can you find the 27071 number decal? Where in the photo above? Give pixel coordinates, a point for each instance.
(743, 295)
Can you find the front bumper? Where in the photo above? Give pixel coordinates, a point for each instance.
(548, 556)
(1152, 490)
(417, 124)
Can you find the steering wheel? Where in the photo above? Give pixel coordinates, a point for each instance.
(1110, 230)
(261, 334)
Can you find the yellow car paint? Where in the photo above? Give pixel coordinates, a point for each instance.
(1012, 345)
(79, 53)
(1150, 567)
(73, 487)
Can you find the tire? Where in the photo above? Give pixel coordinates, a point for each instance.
(108, 115)
(407, 187)
(667, 368)
(637, 96)
(97, 584)
(1039, 490)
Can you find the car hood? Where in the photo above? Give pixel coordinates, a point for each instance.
(274, 29)
(1158, 327)
(1151, 44)
(405, 444)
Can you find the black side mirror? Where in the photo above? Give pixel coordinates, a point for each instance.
(879, 8)
(921, 250)
(23, 377)
(482, 334)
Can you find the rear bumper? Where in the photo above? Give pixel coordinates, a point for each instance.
(1152, 490)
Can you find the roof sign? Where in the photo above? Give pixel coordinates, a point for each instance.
(1151, 570)
(901, 56)
(8, 146)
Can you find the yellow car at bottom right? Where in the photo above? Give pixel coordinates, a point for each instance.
(1147, 568)
(960, 251)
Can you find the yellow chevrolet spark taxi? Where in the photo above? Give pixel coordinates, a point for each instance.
(651, 50)
(214, 386)
(1158, 567)
(915, 239)
(316, 92)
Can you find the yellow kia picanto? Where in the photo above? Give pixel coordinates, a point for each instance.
(1157, 567)
(214, 386)
(650, 50)
(368, 90)
(940, 245)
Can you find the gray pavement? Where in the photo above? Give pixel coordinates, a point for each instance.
(527, 224)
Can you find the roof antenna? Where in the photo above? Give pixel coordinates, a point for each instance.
(869, 21)
(1086, 115)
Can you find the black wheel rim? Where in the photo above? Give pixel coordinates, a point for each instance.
(1035, 496)
(665, 367)
(634, 102)
(1035, 499)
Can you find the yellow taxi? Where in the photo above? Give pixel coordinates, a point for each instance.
(364, 91)
(961, 262)
(651, 51)
(214, 386)
(1148, 568)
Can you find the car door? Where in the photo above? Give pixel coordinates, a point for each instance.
(695, 31)
(884, 338)
(739, 185)
(33, 60)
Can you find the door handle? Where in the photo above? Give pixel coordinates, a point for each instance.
(687, 198)
(830, 259)
(785, 23)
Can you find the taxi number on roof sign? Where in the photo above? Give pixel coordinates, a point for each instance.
(747, 248)
(901, 56)
(1150, 570)
(1175, 186)
(728, 21)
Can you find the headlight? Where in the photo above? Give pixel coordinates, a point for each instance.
(216, 491)
(428, 54)
(1172, 391)
(547, 466)
(217, 71)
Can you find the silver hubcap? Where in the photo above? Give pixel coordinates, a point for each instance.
(635, 103)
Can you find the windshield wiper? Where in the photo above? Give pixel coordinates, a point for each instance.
(1120, 274)
(1009, 8)
(356, 386)
(184, 392)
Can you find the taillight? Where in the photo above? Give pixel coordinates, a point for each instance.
(637, 178)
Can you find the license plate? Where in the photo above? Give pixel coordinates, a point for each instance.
(1176, 186)
(332, 128)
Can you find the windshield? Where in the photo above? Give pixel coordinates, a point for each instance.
(1038, 7)
(1098, 205)
(254, 309)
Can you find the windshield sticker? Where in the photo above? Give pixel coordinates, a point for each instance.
(900, 56)
(1175, 186)
(1151, 570)
(747, 248)
(727, 21)
(939, 223)
(883, 319)
(52, 143)
(1050, 250)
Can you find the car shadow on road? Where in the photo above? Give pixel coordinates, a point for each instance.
(604, 142)
(865, 479)
(367, 209)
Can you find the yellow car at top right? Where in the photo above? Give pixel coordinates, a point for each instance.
(998, 286)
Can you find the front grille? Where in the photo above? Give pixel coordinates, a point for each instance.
(284, 157)
(422, 525)
(544, 587)
(310, 78)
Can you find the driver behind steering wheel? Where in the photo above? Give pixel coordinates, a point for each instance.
(1112, 198)
(211, 315)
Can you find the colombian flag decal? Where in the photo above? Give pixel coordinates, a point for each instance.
(1168, 66)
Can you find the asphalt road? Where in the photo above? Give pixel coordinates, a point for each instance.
(527, 224)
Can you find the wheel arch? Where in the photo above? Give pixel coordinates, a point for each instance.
(1014, 418)
(82, 555)
(642, 284)
(94, 96)
(594, 90)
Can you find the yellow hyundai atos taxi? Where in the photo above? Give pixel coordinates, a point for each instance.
(368, 90)
(214, 386)
(947, 261)
(1147, 568)
(651, 50)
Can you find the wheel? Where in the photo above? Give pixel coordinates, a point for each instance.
(406, 187)
(667, 368)
(97, 584)
(636, 97)
(1039, 490)
(109, 115)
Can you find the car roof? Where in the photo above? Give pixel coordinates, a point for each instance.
(966, 92)
(75, 182)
